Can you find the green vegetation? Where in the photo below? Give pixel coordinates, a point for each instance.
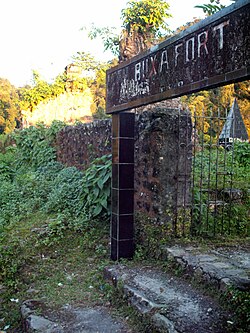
(49, 212)
(60, 268)
(54, 230)
(146, 16)
(33, 181)
(221, 193)
(240, 302)
(9, 108)
(211, 8)
(31, 96)
(95, 79)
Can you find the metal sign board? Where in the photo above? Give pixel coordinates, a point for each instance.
(212, 53)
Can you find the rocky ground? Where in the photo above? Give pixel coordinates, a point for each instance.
(171, 303)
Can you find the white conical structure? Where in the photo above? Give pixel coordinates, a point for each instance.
(234, 127)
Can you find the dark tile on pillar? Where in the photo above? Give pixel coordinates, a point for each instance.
(126, 227)
(122, 249)
(115, 201)
(126, 176)
(115, 125)
(126, 248)
(127, 123)
(122, 224)
(126, 151)
(115, 175)
(122, 227)
(114, 226)
(126, 201)
(115, 150)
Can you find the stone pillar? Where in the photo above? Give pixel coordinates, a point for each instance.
(122, 220)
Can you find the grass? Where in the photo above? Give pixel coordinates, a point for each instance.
(68, 271)
(63, 269)
(54, 249)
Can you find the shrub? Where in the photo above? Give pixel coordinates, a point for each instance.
(35, 144)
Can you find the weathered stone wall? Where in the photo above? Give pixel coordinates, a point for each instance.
(162, 161)
(79, 145)
(162, 156)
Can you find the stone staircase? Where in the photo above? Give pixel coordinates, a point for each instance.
(172, 303)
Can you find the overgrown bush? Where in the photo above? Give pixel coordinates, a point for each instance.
(217, 173)
(81, 196)
(42, 201)
(242, 153)
(32, 180)
(35, 144)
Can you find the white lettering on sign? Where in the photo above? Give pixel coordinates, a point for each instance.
(202, 36)
(138, 72)
(163, 62)
(220, 28)
(190, 48)
(153, 65)
(131, 88)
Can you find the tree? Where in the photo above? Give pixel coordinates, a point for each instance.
(242, 93)
(58, 86)
(147, 17)
(109, 36)
(143, 22)
(95, 76)
(40, 90)
(9, 107)
(210, 102)
(98, 88)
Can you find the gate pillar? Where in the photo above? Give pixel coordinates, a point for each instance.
(122, 219)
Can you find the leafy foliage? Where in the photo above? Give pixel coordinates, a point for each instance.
(208, 103)
(96, 79)
(32, 181)
(242, 156)
(35, 144)
(41, 90)
(9, 108)
(77, 198)
(109, 36)
(239, 302)
(6, 164)
(216, 172)
(146, 16)
(97, 187)
(212, 7)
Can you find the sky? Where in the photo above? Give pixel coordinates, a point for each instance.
(43, 35)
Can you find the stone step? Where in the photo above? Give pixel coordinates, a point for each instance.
(171, 304)
(69, 319)
(217, 267)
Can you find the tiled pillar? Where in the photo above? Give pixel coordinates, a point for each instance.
(122, 223)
